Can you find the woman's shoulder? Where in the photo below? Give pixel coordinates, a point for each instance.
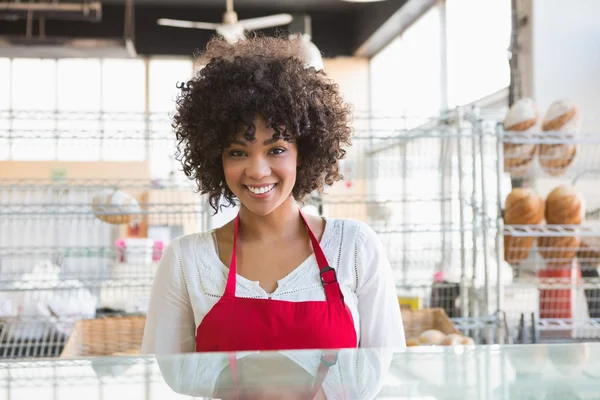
(190, 245)
(360, 230)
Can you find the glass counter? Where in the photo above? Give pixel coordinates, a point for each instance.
(569, 371)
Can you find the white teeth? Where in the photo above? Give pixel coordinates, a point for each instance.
(261, 190)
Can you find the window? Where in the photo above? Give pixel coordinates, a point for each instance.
(405, 76)
(34, 103)
(163, 78)
(478, 35)
(78, 103)
(123, 106)
(5, 89)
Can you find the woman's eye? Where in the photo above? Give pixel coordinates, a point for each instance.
(277, 151)
(236, 153)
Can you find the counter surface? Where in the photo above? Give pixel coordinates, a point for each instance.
(490, 372)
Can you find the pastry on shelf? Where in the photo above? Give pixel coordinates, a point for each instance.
(431, 337)
(564, 206)
(561, 122)
(434, 337)
(115, 207)
(452, 339)
(522, 120)
(558, 250)
(523, 206)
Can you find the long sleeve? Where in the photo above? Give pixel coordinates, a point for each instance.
(380, 316)
(170, 326)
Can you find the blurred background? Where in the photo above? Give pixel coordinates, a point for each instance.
(90, 191)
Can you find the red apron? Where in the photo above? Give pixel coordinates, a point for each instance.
(237, 324)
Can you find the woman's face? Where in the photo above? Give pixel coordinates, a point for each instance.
(261, 173)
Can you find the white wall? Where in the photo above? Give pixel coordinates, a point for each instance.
(566, 55)
(565, 63)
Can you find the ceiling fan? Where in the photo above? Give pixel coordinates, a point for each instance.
(231, 28)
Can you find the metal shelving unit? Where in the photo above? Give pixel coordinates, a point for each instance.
(418, 186)
(555, 308)
(59, 263)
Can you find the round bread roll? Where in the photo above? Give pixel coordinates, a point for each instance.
(410, 342)
(431, 337)
(115, 207)
(467, 341)
(562, 122)
(522, 120)
(558, 251)
(564, 206)
(523, 206)
(452, 339)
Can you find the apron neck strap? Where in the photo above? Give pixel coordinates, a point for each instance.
(231, 277)
(328, 275)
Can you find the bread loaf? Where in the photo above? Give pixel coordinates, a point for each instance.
(523, 206)
(522, 120)
(115, 207)
(562, 121)
(467, 341)
(452, 339)
(564, 206)
(431, 337)
(558, 250)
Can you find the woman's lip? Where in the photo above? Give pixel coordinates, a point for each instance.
(260, 186)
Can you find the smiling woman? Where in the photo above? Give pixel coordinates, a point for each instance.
(258, 127)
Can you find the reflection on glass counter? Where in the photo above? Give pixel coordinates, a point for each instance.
(463, 372)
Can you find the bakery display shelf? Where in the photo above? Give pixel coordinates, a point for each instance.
(465, 324)
(43, 115)
(33, 337)
(557, 324)
(77, 259)
(77, 134)
(549, 138)
(394, 118)
(538, 231)
(106, 333)
(551, 156)
(90, 185)
(60, 377)
(84, 210)
(77, 282)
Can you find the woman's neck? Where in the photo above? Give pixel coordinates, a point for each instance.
(284, 222)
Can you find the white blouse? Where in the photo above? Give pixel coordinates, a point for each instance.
(191, 279)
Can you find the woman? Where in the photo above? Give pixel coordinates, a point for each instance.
(258, 127)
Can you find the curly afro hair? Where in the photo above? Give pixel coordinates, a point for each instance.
(259, 76)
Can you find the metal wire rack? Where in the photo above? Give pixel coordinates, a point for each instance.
(421, 188)
(556, 293)
(60, 263)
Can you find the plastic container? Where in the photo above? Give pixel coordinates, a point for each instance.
(157, 250)
(558, 303)
(139, 251)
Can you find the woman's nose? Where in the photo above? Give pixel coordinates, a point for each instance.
(258, 168)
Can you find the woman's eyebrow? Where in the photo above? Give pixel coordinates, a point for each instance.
(265, 143)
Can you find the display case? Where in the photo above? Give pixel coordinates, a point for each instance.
(559, 371)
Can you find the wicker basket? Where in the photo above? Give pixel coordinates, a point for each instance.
(105, 337)
(418, 321)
